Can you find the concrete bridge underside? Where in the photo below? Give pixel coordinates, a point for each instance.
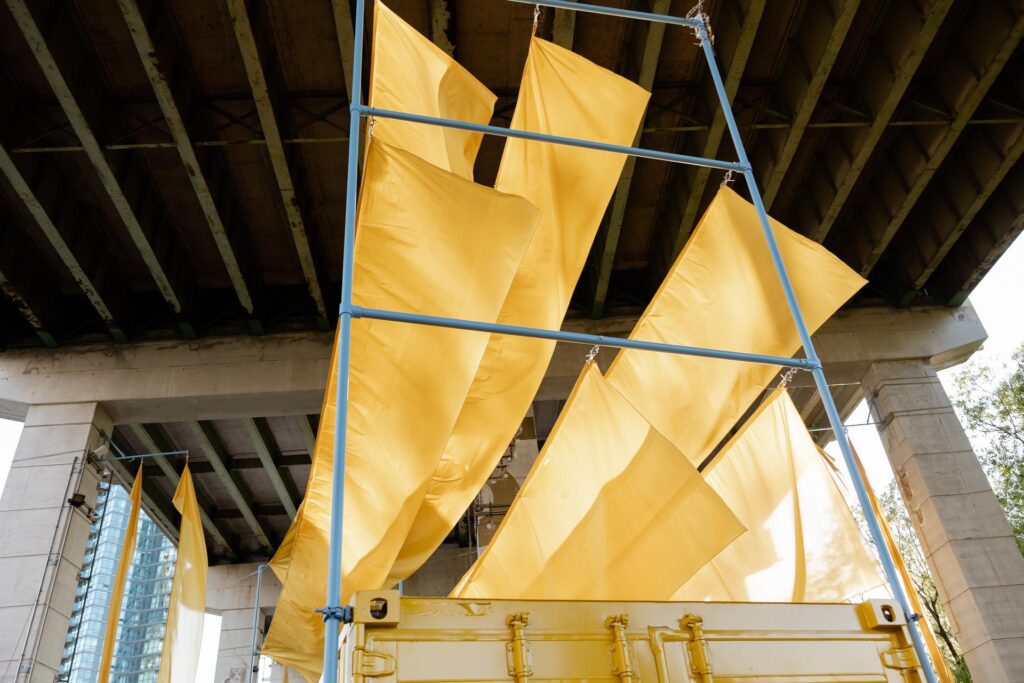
(245, 408)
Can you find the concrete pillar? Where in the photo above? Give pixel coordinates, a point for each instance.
(42, 537)
(963, 531)
(231, 594)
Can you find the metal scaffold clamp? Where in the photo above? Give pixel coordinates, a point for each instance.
(337, 613)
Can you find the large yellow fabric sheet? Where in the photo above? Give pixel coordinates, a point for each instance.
(411, 74)
(610, 511)
(120, 579)
(802, 543)
(561, 94)
(420, 248)
(722, 292)
(187, 607)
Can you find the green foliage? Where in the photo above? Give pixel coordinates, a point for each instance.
(991, 404)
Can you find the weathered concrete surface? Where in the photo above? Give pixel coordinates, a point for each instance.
(43, 538)
(231, 594)
(966, 539)
(173, 381)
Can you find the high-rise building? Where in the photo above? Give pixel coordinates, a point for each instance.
(141, 628)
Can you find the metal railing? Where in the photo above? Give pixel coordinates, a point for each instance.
(333, 611)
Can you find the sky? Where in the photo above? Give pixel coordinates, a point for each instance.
(997, 299)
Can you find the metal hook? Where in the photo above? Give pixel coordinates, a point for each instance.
(786, 377)
(369, 127)
(592, 354)
(536, 18)
(729, 175)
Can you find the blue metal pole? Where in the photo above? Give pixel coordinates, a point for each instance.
(615, 12)
(576, 337)
(556, 139)
(835, 420)
(332, 612)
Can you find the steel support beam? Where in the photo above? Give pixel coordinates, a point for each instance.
(213, 446)
(809, 62)
(60, 246)
(735, 29)
(968, 71)
(981, 161)
(31, 316)
(77, 120)
(903, 39)
(156, 440)
(275, 149)
(563, 27)
(645, 56)
(269, 453)
(174, 122)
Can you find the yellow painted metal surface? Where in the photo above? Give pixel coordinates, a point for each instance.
(444, 639)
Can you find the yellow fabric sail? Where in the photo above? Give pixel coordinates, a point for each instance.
(723, 292)
(411, 74)
(561, 94)
(187, 607)
(610, 511)
(120, 578)
(802, 543)
(419, 248)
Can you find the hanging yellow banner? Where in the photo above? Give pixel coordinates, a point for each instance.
(187, 606)
(561, 94)
(802, 543)
(120, 578)
(411, 74)
(610, 511)
(723, 292)
(419, 248)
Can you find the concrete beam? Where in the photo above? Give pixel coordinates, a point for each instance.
(76, 118)
(179, 133)
(440, 18)
(563, 27)
(646, 53)
(217, 454)
(208, 379)
(263, 441)
(902, 42)
(735, 28)
(819, 37)
(847, 344)
(915, 156)
(249, 51)
(156, 440)
(345, 32)
(60, 246)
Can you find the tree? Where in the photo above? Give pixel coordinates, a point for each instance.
(991, 405)
(895, 513)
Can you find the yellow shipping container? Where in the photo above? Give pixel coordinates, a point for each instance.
(446, 639)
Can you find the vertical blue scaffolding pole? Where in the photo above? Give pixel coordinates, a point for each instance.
(333, 610)
(834, 419)
(334, 613)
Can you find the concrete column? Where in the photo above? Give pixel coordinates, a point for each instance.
(231, 594)
(963, 531)
(42, 537)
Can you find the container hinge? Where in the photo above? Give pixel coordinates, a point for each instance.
(900, 658)
(697, 648)
(622, 656)
(370, 664)
(517, 652)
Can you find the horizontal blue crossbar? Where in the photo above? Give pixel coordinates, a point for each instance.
(555, 139)
(576, 337)
(615, 12)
